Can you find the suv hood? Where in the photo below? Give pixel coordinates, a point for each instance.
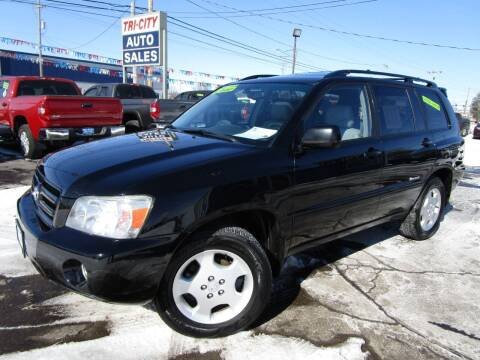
(120, 165)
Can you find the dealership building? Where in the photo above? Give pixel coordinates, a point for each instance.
(86, 72)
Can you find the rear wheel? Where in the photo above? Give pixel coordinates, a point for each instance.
(31, 149)
(464, 132)
(423, 220)
(216, 285)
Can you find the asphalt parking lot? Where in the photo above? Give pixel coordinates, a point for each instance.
(373, 295)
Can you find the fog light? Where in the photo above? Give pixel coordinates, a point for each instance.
(84, 272)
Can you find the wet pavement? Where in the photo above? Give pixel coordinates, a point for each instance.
(372, 295)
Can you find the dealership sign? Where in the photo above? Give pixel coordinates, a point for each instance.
(142, 39)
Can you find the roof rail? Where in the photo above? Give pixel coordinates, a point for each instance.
(405, 78)
(257, 76)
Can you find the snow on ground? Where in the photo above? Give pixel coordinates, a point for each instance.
(137, 332)
(11, 261)
(372, 294)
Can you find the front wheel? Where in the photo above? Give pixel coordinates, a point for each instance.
(423, 220)
(216, 285)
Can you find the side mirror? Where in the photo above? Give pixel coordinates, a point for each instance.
(321, 137)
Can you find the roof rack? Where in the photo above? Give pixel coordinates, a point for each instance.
(405, 78)
(257, 76)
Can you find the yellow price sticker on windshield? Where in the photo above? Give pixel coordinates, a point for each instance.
(226, 89)
(432, 103)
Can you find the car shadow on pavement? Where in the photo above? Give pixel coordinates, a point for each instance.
(287, 286)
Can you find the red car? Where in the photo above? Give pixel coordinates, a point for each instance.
(42, 112)
(476, 131)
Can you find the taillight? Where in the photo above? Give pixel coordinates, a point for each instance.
(42, 110)
(155, 110)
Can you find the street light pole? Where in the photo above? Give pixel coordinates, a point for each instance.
(40, 58)
(296, 34)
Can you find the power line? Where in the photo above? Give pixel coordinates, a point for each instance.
(347, 32)
(229, 41)
(182, 24)
(265, 9)
(259, 11)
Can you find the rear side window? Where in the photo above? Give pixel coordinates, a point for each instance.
(45, 87)
(128, 92)
(91, 92)
(148, 93)
(434, 111)
(394, 110)
(103, 91)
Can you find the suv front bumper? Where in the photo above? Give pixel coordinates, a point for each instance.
(71, 134)
(127, 271)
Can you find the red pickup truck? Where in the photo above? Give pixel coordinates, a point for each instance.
(50, 112)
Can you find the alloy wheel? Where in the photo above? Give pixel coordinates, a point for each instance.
(430, 210)
(213, 286)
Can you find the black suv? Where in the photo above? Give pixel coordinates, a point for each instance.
(200, 216)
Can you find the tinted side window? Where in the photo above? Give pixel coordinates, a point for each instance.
(393, 110)
(344, 106)
(4, 89)
(91, 92)
(148, 93)
(128, 92)
(103, 91)
(434, 112)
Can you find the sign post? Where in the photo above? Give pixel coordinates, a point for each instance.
(145, 42)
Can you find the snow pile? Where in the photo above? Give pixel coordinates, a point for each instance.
(12, 263)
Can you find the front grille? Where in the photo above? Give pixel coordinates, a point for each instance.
(46, 196)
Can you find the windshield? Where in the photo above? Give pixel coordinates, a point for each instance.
(245, 111)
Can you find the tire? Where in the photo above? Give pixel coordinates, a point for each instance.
(213, 285)
(464, 132)
(31, 149)
(132, 126)
(416, 225)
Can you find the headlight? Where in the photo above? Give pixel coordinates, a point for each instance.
(119, 217)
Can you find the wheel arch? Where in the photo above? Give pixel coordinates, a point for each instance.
(261, 223)
(446, 175)
(18, 121)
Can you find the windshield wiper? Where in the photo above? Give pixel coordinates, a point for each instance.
(208, 134)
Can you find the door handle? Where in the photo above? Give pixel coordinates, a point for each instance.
(427, 142)
(372, 153)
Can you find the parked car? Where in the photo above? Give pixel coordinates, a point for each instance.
(464, 124)
(200, 216)
(193, 95)
(140, 103)
(172, 108)
(42, 112)
(476, 131)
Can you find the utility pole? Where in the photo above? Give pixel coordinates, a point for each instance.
(150, 6)
(40, 25)
(434, 73)
(466, 104)
(296, 34)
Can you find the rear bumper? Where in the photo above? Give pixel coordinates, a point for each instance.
(73, 134)
(126, 271)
